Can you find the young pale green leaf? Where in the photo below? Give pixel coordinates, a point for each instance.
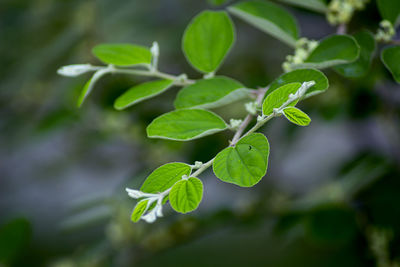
(208, 39)
(331, 51)
(122, 54)
(391, 58)
(139, 209)
(269, 18)
(296, 116)
(142, 92)
(210, 93)
(360, 67)
(390, 10)
(87, 89)
(302, 75)
(165, 176)
(278, 97)
(315, 5)
(186, 195)
(246, 163)
(185, 124)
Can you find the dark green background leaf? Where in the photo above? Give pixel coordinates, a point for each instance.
(269, 18)
(331, 51)
(300, 76)
(391, 58)
(390, 10)
(360, 67)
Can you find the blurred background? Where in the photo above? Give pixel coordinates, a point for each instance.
(330, 197)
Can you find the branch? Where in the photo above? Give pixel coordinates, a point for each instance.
(179, 80)
(342, 29)
(249, 117)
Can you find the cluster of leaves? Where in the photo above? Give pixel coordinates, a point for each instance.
(206, 42)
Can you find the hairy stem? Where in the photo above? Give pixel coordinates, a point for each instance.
(249, 117)
(203, 167)
(260, 96)
(154, 73)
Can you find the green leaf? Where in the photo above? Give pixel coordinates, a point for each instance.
(210, 93)
(122, 54)
(15, 237)
(185, 124)
(87, 89)
(269, 18)
(391, 58)
(278, 97)
(296, 116)
(361, 66)
(331, 51)
(186, 195)
(302, 75)
(139, 209)
(165, 176)
(142, 92)
(246, 163)
(208, 39)
(316, 5)
(390, 10)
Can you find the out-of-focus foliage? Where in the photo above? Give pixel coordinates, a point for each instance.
(329, 200)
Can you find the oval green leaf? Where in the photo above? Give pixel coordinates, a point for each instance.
(390, 10)
(186, 195)
(139, 209)
(269, 18)
(142, 92)
(185, 124)
(391, 58)
(331, 51)
(122, 54)
(208, 39)
(244, 164)
(302, 75)
(210, 93)
(278, 97)
(164, 177)
(296, 116)
(361, 66)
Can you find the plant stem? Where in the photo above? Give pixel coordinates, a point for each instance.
(203, 167)
(154, 73)
(249, 117)
(342, 29)
(260, 96)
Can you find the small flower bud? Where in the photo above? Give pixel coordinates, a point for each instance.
(235, 123)
(75, 70)
(134, 193)
(251, 107)
(155, 49)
